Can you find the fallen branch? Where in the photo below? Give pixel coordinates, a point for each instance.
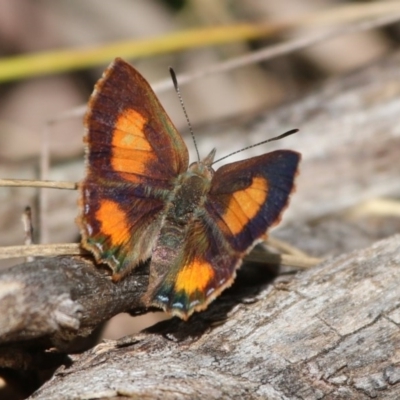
(52, 301)
(333, 332)
(38, 184)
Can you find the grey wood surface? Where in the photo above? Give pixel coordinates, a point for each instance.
(331, 333)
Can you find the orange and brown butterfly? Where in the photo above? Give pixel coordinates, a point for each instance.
(142, 200)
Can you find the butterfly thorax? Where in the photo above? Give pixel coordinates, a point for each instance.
(191, 188)
(190, 192)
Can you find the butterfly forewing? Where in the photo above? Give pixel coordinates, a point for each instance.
(133, 155)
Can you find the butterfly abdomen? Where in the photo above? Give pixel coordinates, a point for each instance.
(182, 212)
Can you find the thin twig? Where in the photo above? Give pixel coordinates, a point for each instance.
(265, 54)
(43, 175)
(41, 250)
(278, 50)
(284, 247)
(259, 255)
(39, 184)
(28, 229)
(376, 207)
(51, 250)
(28, 226)
(76, 112)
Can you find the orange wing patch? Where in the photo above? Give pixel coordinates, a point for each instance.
(194, 276)
(129, 132)
(131, 150)
(245, 204)
(113, 222)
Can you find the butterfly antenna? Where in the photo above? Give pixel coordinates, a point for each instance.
(178, 92)
(291, 132)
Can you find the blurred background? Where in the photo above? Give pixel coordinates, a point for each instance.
(225, 99)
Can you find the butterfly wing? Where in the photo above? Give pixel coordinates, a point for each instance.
(249, 196)
(133, 155)
(245, 199)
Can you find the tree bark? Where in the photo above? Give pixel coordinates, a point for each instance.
(52, 301)
(333, 332)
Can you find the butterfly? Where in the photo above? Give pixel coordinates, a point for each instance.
(141, 200)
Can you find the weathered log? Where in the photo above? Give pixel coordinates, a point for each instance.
(333, 332)
(51, 301)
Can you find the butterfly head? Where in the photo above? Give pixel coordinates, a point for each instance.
(203, 168)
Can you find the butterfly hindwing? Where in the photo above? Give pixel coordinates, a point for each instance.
(118, 226)
(133, 155)
(201, 270)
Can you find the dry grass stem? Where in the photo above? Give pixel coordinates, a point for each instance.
(39, 184)
(73, 249)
